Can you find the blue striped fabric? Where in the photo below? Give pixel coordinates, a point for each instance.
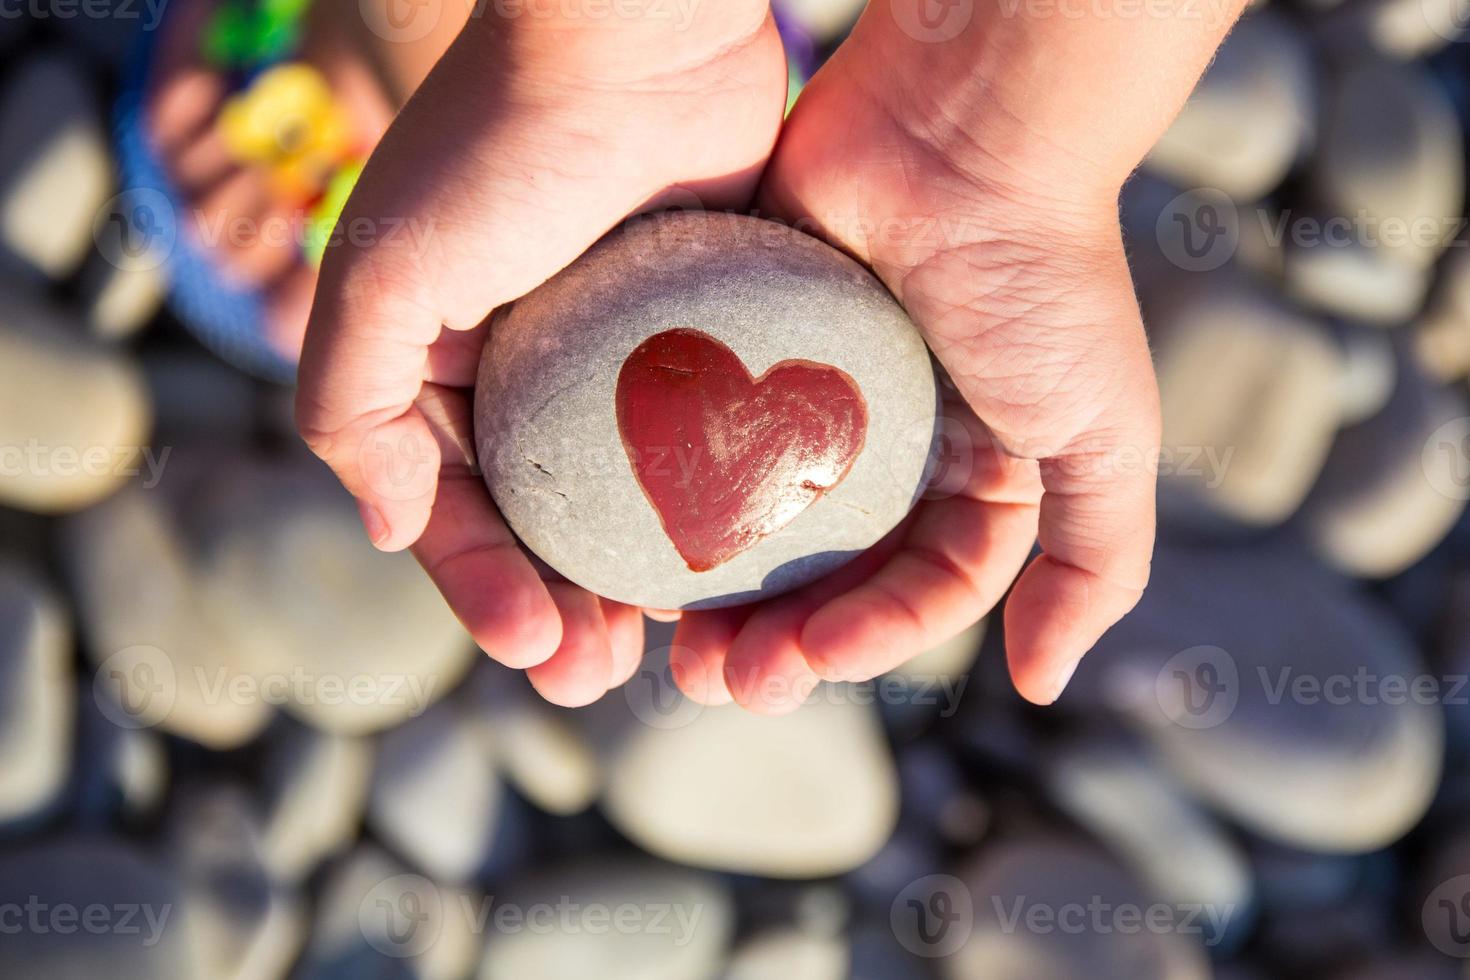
(226, 319)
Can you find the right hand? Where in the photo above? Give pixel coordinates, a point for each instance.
(529, 140)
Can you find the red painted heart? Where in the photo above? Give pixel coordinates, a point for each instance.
(726, 458)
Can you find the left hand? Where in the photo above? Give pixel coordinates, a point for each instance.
(1016, 276)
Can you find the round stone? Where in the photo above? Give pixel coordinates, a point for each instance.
(1390, 169)
(1056, 907)
(1392, 487)
(36, 704)
(74, 415)
(690, 938)
(1277, 694)
(1249, 118)
(1117, 793)
(436, 756)
(725, 791)
(703, 410)
(55, 170)
(82, 907)
(1252, 396)
(315, 789)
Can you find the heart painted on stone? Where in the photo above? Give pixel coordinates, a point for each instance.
(727, 458)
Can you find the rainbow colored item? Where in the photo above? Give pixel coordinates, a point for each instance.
(283, 116)
(289, 123)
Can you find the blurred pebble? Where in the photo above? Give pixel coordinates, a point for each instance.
(877, 955)
(1391, 163)
(790, 954)
(1249, 118)
(1442, 336)
(94, 908)
(1262, 244)
(1168, 841)
(1251, 395)
(74, 416)
(937, 795)
(243, 925)
(123, 290)
(36, 699)
(909, 851)
(55, 168)
(1311, 944)
(1278, 694)
(1057, 908)
(1421, 965)
(315, 788)
(1292, 878)
(1358, 283)
(688, 941)
(1437, 901)
(376, 919)
(929, 686)
(197, 398)
(161, 658)
(538, 748)
(810, 794)
(435, 795)
(1370, 372)
(107, 30)
(1380, 503)
(122, 774)
(364, 638)
(1404, 29)
(950, 660)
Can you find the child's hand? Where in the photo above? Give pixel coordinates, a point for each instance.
(528, 141)
(974, 163)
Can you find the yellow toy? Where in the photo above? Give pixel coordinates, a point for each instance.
(289, 122)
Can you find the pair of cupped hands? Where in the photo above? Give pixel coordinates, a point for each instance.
(532, 138)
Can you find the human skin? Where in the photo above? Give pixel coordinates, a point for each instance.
(977, 175)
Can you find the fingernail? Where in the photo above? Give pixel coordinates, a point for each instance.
(1064, 677)
(372, 521)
